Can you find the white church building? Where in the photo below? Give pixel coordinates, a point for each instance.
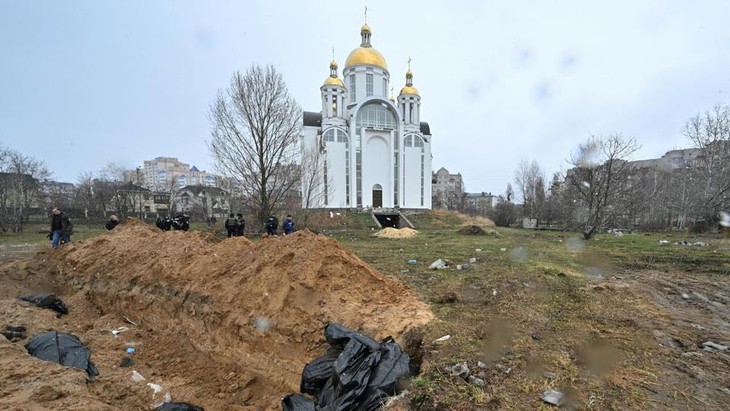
(374, 151)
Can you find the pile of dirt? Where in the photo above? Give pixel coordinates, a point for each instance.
(476, 230)
(390, 232)
(224, 324)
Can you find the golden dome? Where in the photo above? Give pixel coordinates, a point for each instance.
(333, 64)
(365, 28)
(409, 90)
(333, 81)
(366, 55)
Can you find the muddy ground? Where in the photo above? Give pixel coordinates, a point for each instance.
(225, 324)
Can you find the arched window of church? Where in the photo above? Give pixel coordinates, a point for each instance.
(408, 142)
(417, 142)
(376, 114)
(329, 135)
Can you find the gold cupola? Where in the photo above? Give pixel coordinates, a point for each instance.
(366, 54)
(409, 89)
(333, 80)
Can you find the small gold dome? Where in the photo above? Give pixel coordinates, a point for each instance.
(366, 55)
(365, 28)
(333, 81)
(333, 64)
(409, 90)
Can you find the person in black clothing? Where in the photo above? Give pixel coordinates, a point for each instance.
(271, 224)
(288, 225)
(61, 228)
(241, 225)
(181, 222)
(231, 226)
(113, 222)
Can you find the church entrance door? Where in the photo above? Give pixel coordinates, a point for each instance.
(377, 196)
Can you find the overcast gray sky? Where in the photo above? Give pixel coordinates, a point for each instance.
(85, 83)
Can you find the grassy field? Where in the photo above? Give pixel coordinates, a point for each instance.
(600, 321)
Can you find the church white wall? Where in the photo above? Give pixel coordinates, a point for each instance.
(376, 169)
(336, 161)
(412, 178)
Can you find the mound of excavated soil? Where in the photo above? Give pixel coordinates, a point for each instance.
(476, 230)
(224, 324)
(390, 232)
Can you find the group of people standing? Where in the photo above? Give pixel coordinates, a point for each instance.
(62, 228)
(272, 224)
(235, 225)
(180, 222)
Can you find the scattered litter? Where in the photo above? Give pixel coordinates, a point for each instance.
(478, 250)
(712, 346)
(438, 265)
(50, 301)
(472, 260)
(502, 249)
(137, 377)
(130, 350)
(64, 349)
(552, 397)
(129, 321)
(481, 365)
(118, 331)
(536, 336)
(460, 370)
(549, 375)
(412, 262)
(405, 271)
(356, 373)
(14, 333)
(155, 387)
(685, 296)
(699, 244)
(462, 266)
(442, 339)
(663, 242)
(476, 381)
(494, 292)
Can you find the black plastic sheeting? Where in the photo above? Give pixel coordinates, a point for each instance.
(357, 373)
(297, 402)
(64, 349)
(46, 301)
(178, 406)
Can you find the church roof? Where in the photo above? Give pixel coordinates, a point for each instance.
(312, 119)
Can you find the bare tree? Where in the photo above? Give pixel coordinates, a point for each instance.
(530, 181)
(599, 180)
(255, 130)
(20, 188)
(314, 177)
(710, 170)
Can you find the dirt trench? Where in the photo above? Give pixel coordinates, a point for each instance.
(222, 324)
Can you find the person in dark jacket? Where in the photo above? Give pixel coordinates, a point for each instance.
(61, 228)
(231, 225)
(288, 225)
(241, 225)
(113, 222)
(272, 223)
